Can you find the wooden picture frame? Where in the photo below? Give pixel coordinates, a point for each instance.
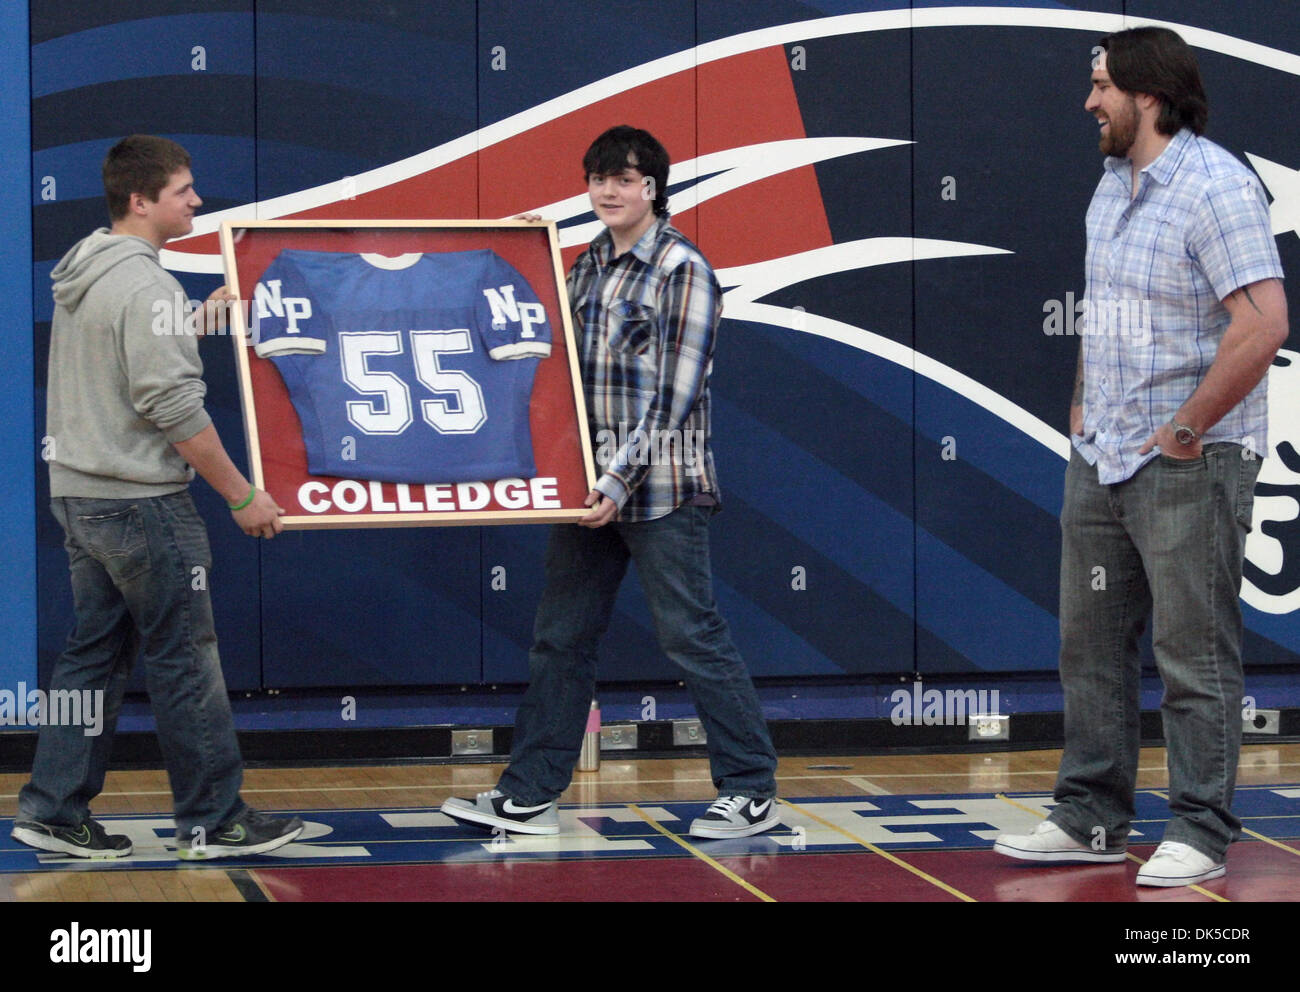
(354, 418)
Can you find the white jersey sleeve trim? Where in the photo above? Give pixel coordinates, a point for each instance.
(520, 349)
(290, 346)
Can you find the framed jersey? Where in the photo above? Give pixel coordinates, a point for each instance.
(408, 373)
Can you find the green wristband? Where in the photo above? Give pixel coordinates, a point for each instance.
(236, 507)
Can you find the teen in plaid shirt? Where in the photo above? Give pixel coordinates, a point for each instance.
(647, 305)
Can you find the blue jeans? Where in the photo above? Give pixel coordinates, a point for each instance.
(583, 571)
(140, 572)
(1165, 544)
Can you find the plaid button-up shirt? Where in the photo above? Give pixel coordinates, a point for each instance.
(647, 322)
(1158, 266)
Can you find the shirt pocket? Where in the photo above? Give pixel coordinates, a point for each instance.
(631, 328)
(1168, 266)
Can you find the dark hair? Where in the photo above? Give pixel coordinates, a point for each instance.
(623, 146)
(142, 164)
(1159, 62)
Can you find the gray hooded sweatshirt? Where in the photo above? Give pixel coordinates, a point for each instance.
(125, 376)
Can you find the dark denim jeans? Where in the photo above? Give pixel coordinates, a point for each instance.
(1165, 544)
(583, 571)
(140, 573)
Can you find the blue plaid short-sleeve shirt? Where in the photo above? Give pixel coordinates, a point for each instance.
(1158, 267)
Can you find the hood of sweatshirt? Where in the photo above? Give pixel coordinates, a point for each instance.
(90, 258)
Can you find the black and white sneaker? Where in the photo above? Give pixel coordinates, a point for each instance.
(736, 816)
(495, 810)
(89, 840)
(250, 832)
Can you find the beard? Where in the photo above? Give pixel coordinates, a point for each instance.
(1121, 132)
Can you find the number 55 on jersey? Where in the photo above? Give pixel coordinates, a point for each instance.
(426, 360)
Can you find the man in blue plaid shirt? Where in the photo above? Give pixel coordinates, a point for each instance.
(1169, 420)
(646, 305)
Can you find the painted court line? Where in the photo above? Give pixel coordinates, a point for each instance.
(870, 788)
(1270, 840)
(640, 781)
(701, 855)
(884, 854)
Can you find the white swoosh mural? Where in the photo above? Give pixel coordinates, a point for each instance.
(888, 20)
(738, 167)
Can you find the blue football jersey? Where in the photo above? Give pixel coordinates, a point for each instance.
(411, 369)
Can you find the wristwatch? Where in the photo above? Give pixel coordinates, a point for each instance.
(1183, 434)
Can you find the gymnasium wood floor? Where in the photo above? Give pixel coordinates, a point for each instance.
(623, 837)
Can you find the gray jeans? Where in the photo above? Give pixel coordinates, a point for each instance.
(140, 585)
(1165, 544)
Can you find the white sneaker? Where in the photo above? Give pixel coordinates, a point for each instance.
(1178, 864)
(1048, 842)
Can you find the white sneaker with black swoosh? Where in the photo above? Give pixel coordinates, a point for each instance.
(494, 809)
(736, 816)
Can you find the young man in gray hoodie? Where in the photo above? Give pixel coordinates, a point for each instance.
(126, 431)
